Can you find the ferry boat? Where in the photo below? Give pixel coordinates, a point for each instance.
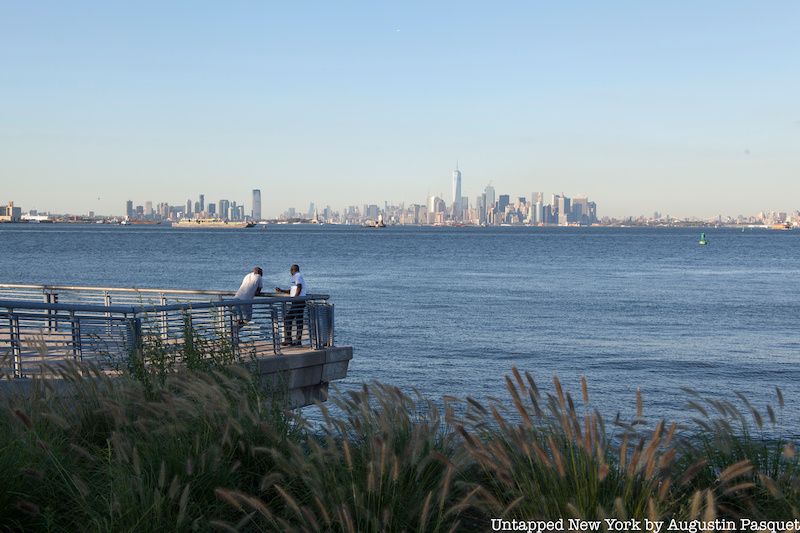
(202, 223)
(781, 227)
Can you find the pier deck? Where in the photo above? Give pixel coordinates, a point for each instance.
(44, 326)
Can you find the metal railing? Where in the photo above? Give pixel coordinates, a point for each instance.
(46, 324)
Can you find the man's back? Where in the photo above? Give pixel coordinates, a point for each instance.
(250, 286)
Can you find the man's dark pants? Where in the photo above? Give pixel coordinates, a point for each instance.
(294, 315)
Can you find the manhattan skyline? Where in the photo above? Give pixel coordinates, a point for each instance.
(686, 109)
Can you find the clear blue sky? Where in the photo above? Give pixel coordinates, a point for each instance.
(689, 108)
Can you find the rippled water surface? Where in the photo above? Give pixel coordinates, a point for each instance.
(450, 310)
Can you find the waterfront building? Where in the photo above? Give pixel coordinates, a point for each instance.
(129, 209)
(9, 213)
(148, 209)
(189, 207)
(202, 203)
(212, 209)
(256, 211)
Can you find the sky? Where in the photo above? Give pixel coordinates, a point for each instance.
(687, 108)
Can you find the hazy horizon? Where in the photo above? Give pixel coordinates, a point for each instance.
(685, 109)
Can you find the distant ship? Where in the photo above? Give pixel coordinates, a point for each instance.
(375, 223)
(200, 223)
(781, 227)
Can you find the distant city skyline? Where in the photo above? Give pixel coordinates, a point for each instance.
(252, 208)
(671, 107)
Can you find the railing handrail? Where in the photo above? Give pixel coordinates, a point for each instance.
(136, 309)
(148, 290)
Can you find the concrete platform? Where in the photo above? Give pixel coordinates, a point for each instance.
(301, 375)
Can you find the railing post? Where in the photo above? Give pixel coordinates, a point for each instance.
(107, 302)
(164, 323)
(188, 333)
(331, 325)
(276, 330)
(77, 352)
(52, 316)
(16, 347)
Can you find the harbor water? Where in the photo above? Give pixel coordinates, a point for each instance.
(451, 310)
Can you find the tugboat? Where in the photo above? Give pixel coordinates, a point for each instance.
(703, 241)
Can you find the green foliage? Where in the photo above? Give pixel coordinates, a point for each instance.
(208, 449)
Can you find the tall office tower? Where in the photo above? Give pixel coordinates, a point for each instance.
(129, 209)
(539, 211)
(564, 211)
(224, 209)
(480, 205)
(537, 197)
(197, 208)
(593, 213)
(457, 193)
(234, 211)
(189, 207)
(580, 210)
(212, 209)
(256, 212)
(148, 209)
(554, 207)
(490, 197)
(502, 203)
(202, 203)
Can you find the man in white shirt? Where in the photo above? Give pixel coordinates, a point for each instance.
(294, 315)
(250, 288)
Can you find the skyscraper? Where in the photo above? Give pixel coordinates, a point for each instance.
(129, 209)
(202, 203)
(489, 203)
(502, 203)
(564, 211)
(224, 209)
(256, 213)
(189, 207)
(457, 193)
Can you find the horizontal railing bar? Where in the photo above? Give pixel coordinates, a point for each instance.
(114, 289)
(138, 309)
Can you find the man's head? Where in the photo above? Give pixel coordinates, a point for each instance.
(294, 269)
(257, 270)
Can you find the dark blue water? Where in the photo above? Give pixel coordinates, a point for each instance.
(451, 310)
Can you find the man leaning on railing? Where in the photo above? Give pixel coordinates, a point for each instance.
(251, 287)
(294, 316)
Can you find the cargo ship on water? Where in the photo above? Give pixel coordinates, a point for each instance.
(212, 223)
